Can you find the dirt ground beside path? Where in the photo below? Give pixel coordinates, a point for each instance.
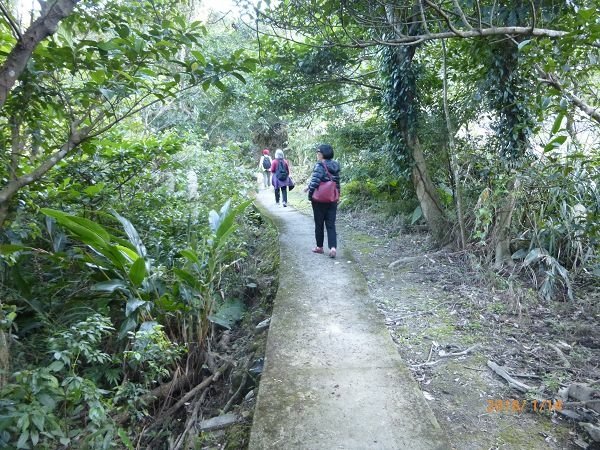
(436, 304)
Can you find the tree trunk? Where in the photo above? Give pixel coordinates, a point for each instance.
(501, 232)
(8, 191)
(428, 197)
(17, 59)
(453, 162)
(4, 359)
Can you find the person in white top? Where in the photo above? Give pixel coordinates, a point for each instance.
(264, 165)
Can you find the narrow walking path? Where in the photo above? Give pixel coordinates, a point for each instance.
(333, 378)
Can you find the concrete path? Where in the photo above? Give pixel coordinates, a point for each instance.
(333, 378)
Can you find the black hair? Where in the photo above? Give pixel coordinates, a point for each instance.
(326, 150)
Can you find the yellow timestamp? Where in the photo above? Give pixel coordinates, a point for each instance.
(519, 406)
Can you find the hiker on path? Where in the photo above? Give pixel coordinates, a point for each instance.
(324, 212)
(264, 165)
(281, 179)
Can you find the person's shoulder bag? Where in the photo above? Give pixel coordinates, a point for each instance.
(327, 192)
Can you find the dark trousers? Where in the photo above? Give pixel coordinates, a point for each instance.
(324, 214)
(283, 194)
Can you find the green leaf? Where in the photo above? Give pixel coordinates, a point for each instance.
(214, 220)
(219, 84)
(554, 143)
(186, 277)
(199, 57)
(125, 439)
(98, 76)
(137, 273)
(7, 249)
(56, 366)
(557, 122)
(239, 77)
(416, 215)
(228, 314)
(47, 400)
(70, 221)
(523, 44)
(190, 256)
(132, 234)
(109, 286)
(38, 420)
(127, 326)
(23, 438)
(535, 255)
(133, 305)
(93, 190)
(127, 252)
(35, 437)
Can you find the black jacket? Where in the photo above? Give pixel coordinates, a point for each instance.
(319, 175)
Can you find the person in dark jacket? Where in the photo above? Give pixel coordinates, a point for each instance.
(281, 183)
(324, 213)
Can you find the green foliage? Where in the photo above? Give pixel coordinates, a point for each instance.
(400, 98)
(153, 356)
(198, 279)
(47, 405)
(508, 89)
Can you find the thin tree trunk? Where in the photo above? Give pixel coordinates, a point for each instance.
(501, 232)
(17, 59)
(4, 357)
(453, 162)
(428, 197)
(407, 125)
(8, 191)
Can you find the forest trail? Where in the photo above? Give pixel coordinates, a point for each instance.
(333, 378)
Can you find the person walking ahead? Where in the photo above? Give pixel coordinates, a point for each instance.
(280, 168)
(264, 165)
(326, 169)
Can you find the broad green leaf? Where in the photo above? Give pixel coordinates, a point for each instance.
(535, 255)
(128, 253)
(35, 437)
(67, 220)
(190, 256)
(38, 420)
(132, 234)
(554, 143)
(7, 249)
(109, 286)
(199, 57)
(98, 76)
(56, 366)
(137, 273)
(214, 220)
(186, 277)
(228, 314)
(416, 215)
(133, 305)
(128, 325)
(92, 190)
(226, 226)
(23, 438)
